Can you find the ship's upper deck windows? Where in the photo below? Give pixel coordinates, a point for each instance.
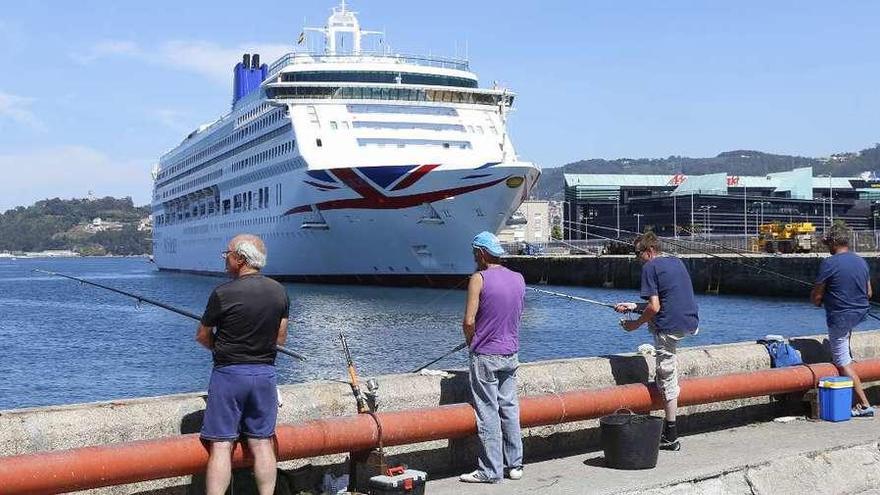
(404, 109)
(386, 93)
(386, 77)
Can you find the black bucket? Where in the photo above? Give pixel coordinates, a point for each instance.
(630, 441)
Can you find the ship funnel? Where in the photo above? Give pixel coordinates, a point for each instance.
(248, 75)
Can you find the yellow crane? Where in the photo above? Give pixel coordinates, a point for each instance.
(784, 238)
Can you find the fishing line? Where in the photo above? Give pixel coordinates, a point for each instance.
(569, 296)
(727, 260)
(142, 299)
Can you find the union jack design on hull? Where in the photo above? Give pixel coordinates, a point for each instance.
(371, 183)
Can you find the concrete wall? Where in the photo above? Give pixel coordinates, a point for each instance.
(52, 428)
(709, 274)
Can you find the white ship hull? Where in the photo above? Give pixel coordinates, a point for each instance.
(428, 242)
(352, 167)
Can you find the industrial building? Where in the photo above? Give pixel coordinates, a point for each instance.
(714, 203)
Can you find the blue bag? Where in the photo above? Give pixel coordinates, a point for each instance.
(782, 354)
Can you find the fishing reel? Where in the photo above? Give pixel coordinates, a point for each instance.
(372, 394)
(630, 315)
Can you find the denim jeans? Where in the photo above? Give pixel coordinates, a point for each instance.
(493, 385)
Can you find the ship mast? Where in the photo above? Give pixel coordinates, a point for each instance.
(342, 21)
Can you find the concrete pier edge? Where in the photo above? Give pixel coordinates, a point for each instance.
(718, 274)
(60, 427)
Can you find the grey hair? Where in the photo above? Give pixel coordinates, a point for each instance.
(251, 254)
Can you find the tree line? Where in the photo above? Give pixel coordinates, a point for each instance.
(59, 224)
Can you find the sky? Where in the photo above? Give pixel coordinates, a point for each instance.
(93, 92)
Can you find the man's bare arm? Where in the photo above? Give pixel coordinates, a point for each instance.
(282, 332)
(469, 325)
(818, 293)
(205, 336)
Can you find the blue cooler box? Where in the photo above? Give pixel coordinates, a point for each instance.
(835, 398)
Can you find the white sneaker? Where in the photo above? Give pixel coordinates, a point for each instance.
(476, 477)
(515, 473)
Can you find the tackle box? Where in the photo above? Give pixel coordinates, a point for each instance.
(399, 480)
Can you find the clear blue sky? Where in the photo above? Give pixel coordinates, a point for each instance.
(93, 92)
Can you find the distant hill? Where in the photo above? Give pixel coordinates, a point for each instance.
(739, 162)
(69, 224)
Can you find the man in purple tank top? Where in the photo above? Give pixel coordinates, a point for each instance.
(491, 329)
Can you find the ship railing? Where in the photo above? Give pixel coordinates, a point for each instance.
(428, 61)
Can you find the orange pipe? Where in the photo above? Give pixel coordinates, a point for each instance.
(93, 467)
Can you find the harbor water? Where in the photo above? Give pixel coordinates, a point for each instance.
(63, 342)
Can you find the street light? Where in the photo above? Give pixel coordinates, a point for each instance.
(638, 221)
(830, 197)
(566, 224)
(761, 204)
(707, 209)
(617, 210)
(675, 216)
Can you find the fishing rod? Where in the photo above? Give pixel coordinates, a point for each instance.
(727, 260)
(549, 292)
(140, 299)
(453, 351)
(569, 296)
(359, 397)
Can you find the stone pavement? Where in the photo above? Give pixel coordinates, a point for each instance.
(796, 457)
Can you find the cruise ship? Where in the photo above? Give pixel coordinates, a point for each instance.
(354, 166)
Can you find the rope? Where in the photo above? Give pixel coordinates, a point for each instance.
(382, 465)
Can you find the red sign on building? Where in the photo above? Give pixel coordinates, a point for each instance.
(677, 179)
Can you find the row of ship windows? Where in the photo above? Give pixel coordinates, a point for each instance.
(263, 156)
(251, 114)
(239, 203)
(402, 143)
(387, 77)
(234, 151)
(225, 142)
(363, 124)
(201, 180)
(400, 94)
(402, 109)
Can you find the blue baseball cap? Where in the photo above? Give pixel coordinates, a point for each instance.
(489, 242)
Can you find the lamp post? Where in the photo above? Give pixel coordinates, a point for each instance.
(675, 216)
(830, 199)
(618, 219)
(745, 210)
(638, 221)
(566, 220)
(707, 209)
(617, 211)
(761, 204)
(692, 213)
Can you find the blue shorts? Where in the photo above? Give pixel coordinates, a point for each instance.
(242, 400)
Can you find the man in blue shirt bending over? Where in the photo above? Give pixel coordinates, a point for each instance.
(843, 286)
(671, 314)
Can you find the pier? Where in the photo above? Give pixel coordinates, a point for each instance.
(429, 426)
(722, 273)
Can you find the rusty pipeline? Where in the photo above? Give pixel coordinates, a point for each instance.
(94, 467)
